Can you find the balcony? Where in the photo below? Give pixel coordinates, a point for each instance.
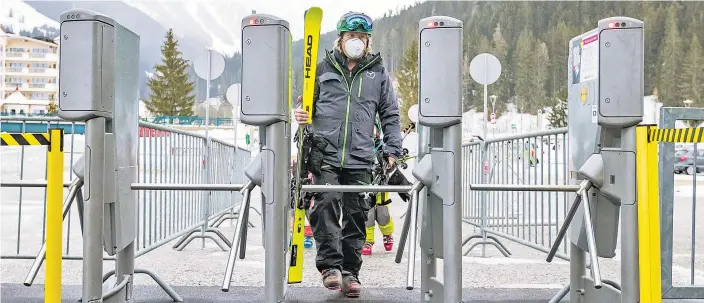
(36, 87)
(33, 71)
(33, 57)
(12, 85)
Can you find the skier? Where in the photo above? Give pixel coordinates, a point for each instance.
(380, 213)
(351, 88)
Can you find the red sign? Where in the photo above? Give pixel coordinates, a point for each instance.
(150, 132)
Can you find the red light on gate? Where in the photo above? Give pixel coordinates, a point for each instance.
(611, 25)
(435, 24)
(252, 21)
(430, 24)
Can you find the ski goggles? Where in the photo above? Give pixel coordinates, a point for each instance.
(353, 22)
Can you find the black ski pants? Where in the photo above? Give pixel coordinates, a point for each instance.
(338, 220)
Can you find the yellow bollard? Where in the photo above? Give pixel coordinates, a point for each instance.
(54, 225)
(648, 216)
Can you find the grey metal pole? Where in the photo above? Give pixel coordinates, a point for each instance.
(124, 267)
(578, 266)
(485, 158)
(591, 242)
(630, 282)
(428, 268)
(524, 187)
(94, 207)
(356, 188)
(206, 200)
(428, 262)
(276, 165)
(452, 220)
(412, 235)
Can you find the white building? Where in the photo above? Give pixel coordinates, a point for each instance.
(28, 67)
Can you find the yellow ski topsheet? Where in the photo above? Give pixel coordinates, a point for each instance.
(313, 18)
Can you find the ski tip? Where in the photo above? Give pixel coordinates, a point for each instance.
(314, 10)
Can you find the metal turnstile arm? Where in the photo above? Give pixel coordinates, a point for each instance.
(582, 196)
(239, 228)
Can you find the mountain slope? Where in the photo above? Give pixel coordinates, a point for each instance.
(151, 33)
(20, 18)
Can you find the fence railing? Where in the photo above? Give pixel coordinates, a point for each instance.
(533, 219)
(189, 120)
(529, 218)
(176, 156)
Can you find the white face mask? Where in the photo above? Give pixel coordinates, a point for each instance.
(354, 48)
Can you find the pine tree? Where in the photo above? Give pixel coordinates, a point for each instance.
(691, 82)
(539, 78)
(408, 81)
(558, 115)
(172, 92)
(484, 47)
(52, 108)
(500, 87)
(670, 61)
(523, 58)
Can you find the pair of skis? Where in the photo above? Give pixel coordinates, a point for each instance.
(311, 38)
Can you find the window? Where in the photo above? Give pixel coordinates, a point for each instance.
(40, 50)
(40, 96)
(21, 111)
(39, 80)
(15, 50)
(12, 111)
(15, 64)
(40, 65)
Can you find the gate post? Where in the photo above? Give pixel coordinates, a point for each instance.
(440, 140)
(99, 71)
(266, 102)
(605, 100)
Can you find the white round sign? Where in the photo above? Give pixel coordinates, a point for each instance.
(233, 94)
(413, 113)
(485, 69)
(217, 65)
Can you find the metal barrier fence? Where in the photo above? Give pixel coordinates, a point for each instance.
(532, 219)
(673, 237)
(166, 155)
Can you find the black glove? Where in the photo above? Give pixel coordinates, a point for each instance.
(315, 158)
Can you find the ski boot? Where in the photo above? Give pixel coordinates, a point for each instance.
(388, 242)
(367, 249)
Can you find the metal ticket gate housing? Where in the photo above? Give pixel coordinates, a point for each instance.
(605, 102)
(99, 86)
